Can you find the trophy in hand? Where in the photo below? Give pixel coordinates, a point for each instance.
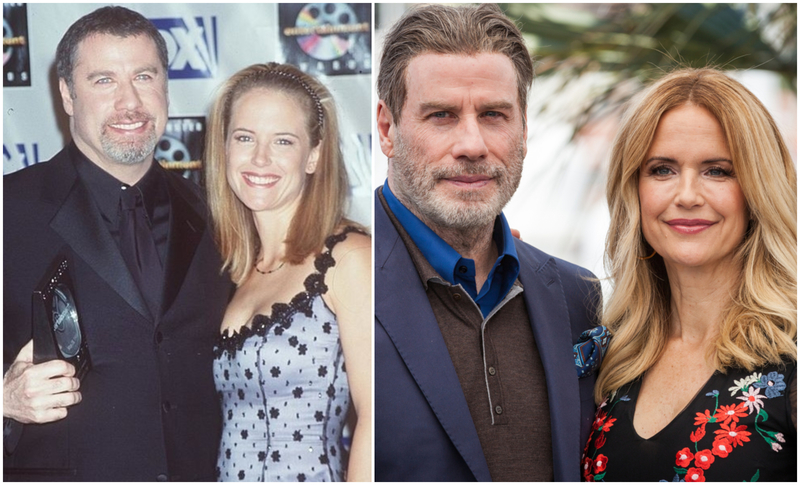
(57, 330)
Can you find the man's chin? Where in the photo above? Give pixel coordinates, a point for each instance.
(462, 215)
(129, 153)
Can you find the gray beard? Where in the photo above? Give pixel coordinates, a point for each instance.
(471, 209)
(129, 153)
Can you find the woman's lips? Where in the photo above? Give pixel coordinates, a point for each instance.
(260, 181)
(690, 226)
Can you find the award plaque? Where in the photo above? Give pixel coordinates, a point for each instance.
(57, 330)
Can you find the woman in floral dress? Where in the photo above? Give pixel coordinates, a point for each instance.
(699, 382)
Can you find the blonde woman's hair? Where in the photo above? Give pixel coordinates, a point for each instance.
(321, 205)
(760, 323)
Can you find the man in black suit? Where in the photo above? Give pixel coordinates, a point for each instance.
(146, 279)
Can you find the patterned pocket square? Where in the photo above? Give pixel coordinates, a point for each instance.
(590, 349)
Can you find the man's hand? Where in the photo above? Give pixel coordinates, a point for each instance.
(39, 393)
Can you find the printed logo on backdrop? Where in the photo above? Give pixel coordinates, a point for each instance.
(16, 55)
(327, 38)
(17, 156)
(191, 44)
(181, 146)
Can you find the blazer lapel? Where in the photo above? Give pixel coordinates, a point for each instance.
(185, 231)
(547, 308)
(415, 333)
(80, 224)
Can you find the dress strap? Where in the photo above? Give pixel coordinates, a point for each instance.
(324, 260)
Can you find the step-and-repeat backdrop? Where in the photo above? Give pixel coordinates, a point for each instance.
(207, 43)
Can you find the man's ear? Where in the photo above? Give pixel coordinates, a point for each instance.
(386, 129)
(524, 136)
(66, 96)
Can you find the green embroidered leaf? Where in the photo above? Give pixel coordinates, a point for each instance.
(599, 477)
(680, 471)
(762, 414)
(755, 477)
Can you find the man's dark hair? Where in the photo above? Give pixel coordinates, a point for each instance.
(440, 29)
(117, 21)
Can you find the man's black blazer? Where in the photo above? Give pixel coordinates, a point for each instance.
(149, 410)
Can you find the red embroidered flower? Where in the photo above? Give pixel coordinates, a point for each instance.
(587, 468)
(695, 475)
(599, 463)
(607, 425)
(599, 419)
(701, 418)
(683, 458)
(735, 435)
(721, 447)
(698, 434)
(703, 459)
(733, 412)
(600, 441)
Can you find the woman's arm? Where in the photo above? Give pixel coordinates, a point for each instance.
(350, 283)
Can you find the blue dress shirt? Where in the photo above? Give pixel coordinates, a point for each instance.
(455, 269)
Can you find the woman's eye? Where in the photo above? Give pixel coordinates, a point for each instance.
(284, 141)
(718, 172)
(661, 170)
(243, 138)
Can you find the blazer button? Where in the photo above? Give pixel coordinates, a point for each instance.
(498, 410)
(162, 477)
(492, 372)
(456, 296)
(166, 406)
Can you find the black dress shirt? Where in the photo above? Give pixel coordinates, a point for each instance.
(105, 190)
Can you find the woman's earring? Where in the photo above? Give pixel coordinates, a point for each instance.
(647, 257)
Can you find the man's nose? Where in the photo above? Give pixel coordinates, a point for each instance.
(127, 97)
(469, 142)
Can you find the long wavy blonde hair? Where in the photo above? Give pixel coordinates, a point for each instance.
(760, 323)
(321, 206)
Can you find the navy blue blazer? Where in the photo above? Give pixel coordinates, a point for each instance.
(423, 428)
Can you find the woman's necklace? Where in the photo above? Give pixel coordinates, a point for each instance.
(270, 271)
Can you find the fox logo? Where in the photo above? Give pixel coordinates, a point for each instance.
(191, 44)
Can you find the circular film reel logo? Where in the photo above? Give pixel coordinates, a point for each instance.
(172, 150)
(322, 16)
(8, 50)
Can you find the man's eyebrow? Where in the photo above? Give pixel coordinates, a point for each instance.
(497, 105)
(437, 106)
(96, 74)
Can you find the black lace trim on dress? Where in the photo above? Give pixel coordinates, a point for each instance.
(281, 316)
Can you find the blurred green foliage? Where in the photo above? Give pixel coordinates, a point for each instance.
(637, 43)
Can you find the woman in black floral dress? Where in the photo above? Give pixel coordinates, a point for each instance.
(700, 380)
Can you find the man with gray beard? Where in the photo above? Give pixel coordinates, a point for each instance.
(145, 279)
(474, 371)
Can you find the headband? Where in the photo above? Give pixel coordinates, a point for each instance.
(308, 89)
